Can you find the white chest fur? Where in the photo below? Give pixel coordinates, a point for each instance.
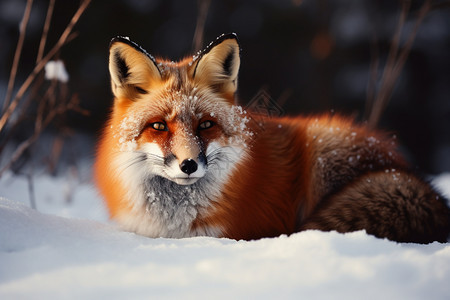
(162, 208)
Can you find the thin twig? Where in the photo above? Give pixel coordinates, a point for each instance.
(388, 88)
(203, 6)
(394, 66)
(31, 190)
(48, 19)
(73, 104)
(42, 107)
(18, 53)
(426, 7)
(19, 151)
(388, 78)
(55, 154)
(373, 76)
(40, 65)
(21, 116)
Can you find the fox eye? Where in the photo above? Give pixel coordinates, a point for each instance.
(206, 125)
(159, 126)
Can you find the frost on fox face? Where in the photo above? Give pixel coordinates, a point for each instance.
(182, 141)
(179, 158)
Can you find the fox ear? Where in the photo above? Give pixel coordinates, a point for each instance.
(132, 69)
(218, 64)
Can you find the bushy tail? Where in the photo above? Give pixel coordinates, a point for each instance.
(390, 204)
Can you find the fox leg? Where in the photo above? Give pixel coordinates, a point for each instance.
(388, 204)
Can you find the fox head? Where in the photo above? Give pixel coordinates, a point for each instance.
(176, 121)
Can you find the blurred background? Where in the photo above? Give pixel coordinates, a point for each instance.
(310, 56)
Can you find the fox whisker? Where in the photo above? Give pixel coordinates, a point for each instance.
(154, 159)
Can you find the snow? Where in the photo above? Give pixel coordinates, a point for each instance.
(68, 249)
(56, 70)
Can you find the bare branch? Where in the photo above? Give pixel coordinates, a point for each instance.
(426, 7)
(48, 19)
(203, 6)
(396, 60)
(373, 76)
(21, 115)
(73, 104)
(17, 54)
(388, 79)
(19, 151)
(48, 106)
(40, 65)
(31, 190)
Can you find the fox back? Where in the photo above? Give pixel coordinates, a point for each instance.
(178, 158)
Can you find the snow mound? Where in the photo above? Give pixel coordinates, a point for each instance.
(46, 256)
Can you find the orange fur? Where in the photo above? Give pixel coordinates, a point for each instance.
(270, 194)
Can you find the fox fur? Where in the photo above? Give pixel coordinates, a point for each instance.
(179, 158)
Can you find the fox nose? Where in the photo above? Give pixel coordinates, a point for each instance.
(188, 166)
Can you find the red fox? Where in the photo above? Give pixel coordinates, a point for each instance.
(179, 158)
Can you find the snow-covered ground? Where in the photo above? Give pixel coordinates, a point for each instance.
(67, 249)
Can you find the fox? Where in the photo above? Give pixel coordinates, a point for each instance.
(179, 157)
